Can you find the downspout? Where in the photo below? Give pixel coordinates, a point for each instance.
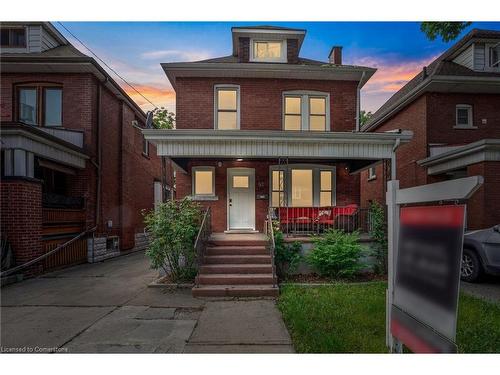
(358, 101)
(393, 158)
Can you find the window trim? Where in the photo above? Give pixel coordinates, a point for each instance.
(40, 88)
(372, 174)
(145, 147)
(470, 124)
(305, 108)
(195, 196)
(487, 57)
(217, 88)
(284, 50)
(287, 177)
(25, 37)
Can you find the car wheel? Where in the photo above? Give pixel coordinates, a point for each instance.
(470, 270)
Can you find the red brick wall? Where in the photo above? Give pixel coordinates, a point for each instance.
(347, 188)
(21, 219)
(261, 102)
(442, 117)
(414, 118)
(127, 176)
(483, 207)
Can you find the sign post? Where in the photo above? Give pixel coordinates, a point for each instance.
(424, 255)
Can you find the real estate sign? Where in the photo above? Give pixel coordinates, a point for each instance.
(427, 276)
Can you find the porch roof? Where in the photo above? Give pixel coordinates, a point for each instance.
(209, 143)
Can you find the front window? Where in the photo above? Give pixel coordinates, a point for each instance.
(302, 186)
(203, 181)
(40, 105)
(13, 38)
(306, 111)
(268, 51)
(227, 108)
(463, 116)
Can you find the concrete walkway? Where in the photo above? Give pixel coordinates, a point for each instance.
(108, 308)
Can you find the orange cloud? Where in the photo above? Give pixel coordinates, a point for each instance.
(160, 96)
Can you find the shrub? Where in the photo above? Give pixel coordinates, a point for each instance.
(173, 227)
(378, 231)
(336, 254)
(286, 257)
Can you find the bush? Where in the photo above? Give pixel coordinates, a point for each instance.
(378, 231)
(286, 257)
(336, 254)
(173, 227)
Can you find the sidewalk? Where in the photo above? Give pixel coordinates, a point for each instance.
(240, 326)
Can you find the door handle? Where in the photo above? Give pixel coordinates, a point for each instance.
(230, 202)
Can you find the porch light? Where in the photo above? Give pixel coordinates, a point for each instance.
(239, 159)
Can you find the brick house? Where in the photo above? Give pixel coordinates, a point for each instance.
(73, 155)
(452, 107)
(265, 133)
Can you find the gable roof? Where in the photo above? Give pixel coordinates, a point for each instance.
(441, 66)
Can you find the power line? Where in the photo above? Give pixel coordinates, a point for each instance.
(110, 68)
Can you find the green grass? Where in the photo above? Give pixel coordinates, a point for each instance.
(350, 318)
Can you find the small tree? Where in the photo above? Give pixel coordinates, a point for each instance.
(448, 31)
(364, 117)
(173, 226)
(378, 231)
(163, 119)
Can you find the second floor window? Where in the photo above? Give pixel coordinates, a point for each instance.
(464, 116)
(306, 111)
(227, 103)
(14, 38)
(40, 105)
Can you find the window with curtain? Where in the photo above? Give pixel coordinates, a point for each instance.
(227, 117)
(302, 187)
(272, 51)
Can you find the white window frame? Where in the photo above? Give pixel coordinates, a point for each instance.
(470, 124)
(305, 95)
(145, 147)
(284, 50)
(195, 196)
(372, 175)
(287, 175)
(487, 52)
(219, 87)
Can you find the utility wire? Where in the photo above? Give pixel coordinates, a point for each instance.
(110, 68)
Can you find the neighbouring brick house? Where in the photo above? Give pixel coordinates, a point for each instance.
(453, 108)
(266, 134)
(73, 155)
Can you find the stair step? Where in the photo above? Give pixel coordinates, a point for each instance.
(237, 250)
(235, 279)
(238, 243)
(235, 291)
(236, 268)
(237, 259)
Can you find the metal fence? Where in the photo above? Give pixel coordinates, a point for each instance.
(315, 220)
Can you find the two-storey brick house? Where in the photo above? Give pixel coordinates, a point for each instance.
(73, 155)
(452, 107)
(266, 134)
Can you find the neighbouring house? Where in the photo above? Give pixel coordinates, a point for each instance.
(265, 134)
(453, 108)
(73, 154)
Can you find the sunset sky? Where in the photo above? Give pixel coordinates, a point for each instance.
(135, 50)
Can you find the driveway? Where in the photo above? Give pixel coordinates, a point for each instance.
(108, 308)
(489, 288)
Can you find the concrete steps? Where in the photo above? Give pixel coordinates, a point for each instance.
(236, 266)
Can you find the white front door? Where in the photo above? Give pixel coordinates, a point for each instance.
(241, 198)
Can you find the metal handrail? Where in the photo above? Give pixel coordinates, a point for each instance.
(201, 239)
(272, 245)
(46, 255)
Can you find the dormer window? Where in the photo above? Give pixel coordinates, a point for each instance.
(268, 51)
(494, 56)
(13, 37)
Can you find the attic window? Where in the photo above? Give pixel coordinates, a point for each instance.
(494, 56)
(268, 51)
(14, 37)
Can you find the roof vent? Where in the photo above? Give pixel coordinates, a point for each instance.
(335, 56)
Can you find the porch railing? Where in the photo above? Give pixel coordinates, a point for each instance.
(315, 220)
(201, 241)
(272, 245)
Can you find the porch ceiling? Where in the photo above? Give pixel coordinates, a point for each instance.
(209, 143)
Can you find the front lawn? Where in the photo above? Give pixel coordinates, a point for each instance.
(350, 318)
